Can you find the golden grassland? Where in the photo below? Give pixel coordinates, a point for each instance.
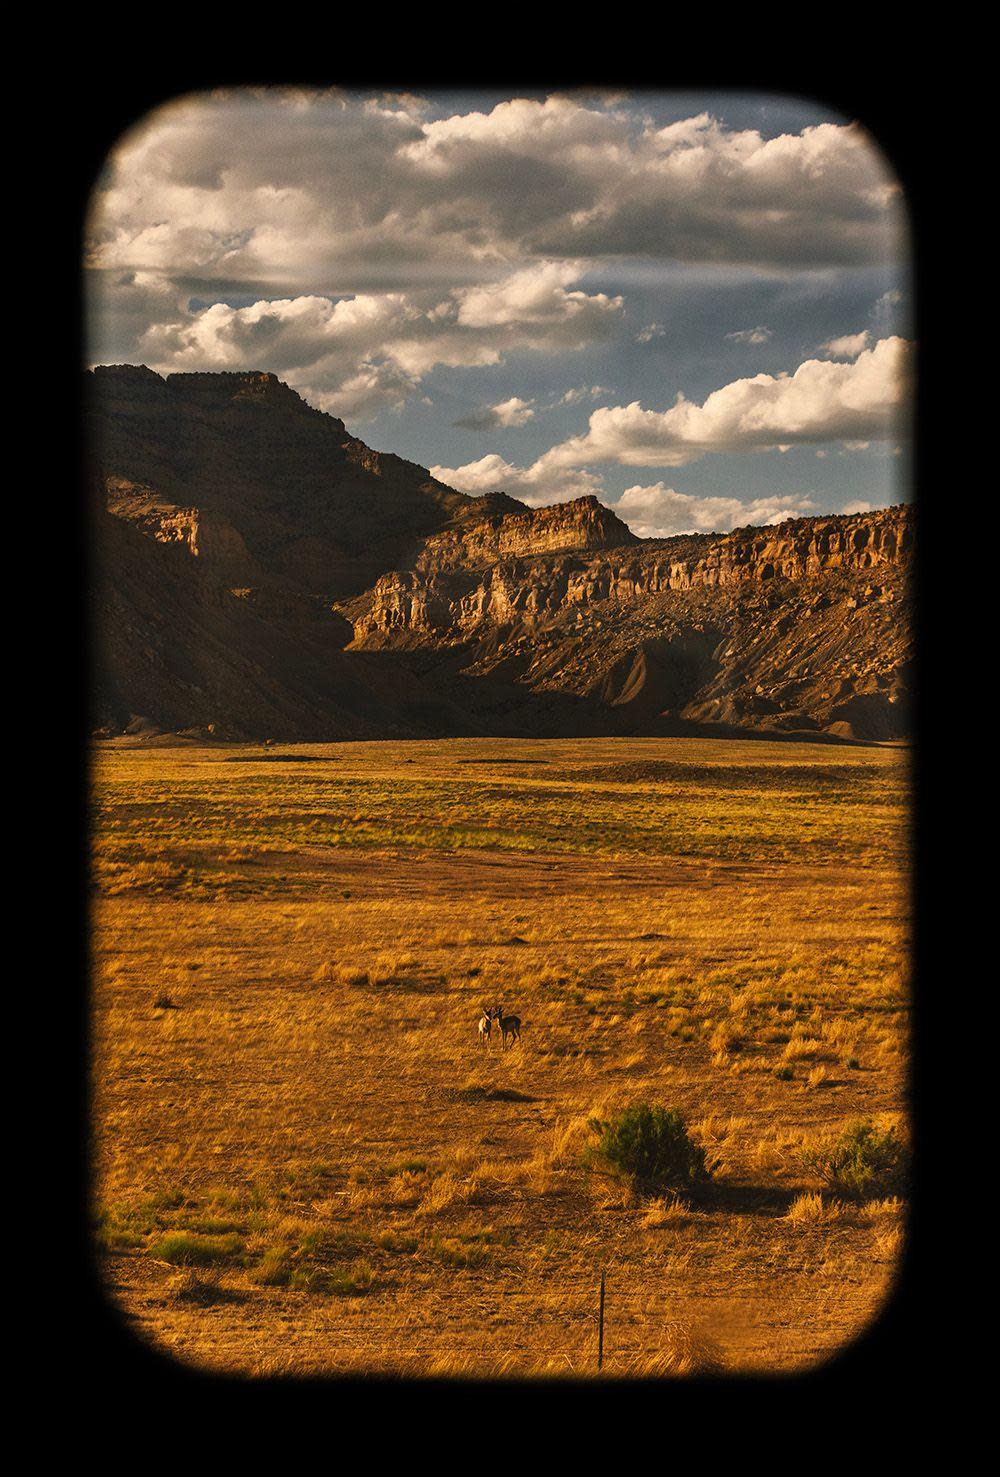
(305, 1163)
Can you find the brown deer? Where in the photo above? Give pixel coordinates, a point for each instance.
(510, 1025)
(485, 1026)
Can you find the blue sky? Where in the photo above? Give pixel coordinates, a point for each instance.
(696, 306)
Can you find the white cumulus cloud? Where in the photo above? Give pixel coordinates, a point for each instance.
(657, 511)
(821, 401)
(538, 487)
(354, 355)
(849, 346)
(512, 412)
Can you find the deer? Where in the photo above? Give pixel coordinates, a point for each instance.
(510, 1025)
(485, 1026)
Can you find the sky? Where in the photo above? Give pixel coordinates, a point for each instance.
(695, 306)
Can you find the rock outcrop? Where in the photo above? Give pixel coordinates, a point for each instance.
(582, 524)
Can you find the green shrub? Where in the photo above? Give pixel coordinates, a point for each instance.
(186, 1249)
(650, 1147)
(861, 1162)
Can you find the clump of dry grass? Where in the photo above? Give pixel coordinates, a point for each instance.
(201, 1288)
(880, 1210)
(449, 1190)
(801, 1048)
(671, 1210)
(684, 1348)
(340, 974)
(890, 1243)
(811, 1209)
(727, 1038)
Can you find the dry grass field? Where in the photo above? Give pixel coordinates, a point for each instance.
(304, 1162)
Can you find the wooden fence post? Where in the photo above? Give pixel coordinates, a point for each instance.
(600, 1326)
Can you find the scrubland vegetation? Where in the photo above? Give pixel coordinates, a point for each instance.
(304, 1161)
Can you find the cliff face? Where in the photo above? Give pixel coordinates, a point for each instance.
(262, 573)
(452, 596)
(801, 627)
(582, 524)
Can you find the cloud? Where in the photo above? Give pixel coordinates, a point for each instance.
(886, 313)
(847, 347)
(751, 335)
(694, 190)
(582, 392)
(651, 331)
(536, 486)
(276, 195)
(537, 298)
(658, 511)
(655, 511)
(513, 412)
(354, 244)
(354, 355)
(821, 401)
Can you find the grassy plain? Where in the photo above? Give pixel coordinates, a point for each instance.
(304, 1162)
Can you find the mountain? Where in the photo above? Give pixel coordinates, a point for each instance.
(261, 573)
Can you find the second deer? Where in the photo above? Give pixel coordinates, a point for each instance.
(510, 1025)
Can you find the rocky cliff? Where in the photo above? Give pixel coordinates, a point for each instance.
(800, 627)
(455, 586)
(263, 573)
(583, 524)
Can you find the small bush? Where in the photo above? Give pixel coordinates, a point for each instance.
(650, 1147)
(863, 1161)
(185, 1249)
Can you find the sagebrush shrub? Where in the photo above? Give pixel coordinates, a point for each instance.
(862, 1161)
(651, 1148)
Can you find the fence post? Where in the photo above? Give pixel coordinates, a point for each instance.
(600, 1326)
